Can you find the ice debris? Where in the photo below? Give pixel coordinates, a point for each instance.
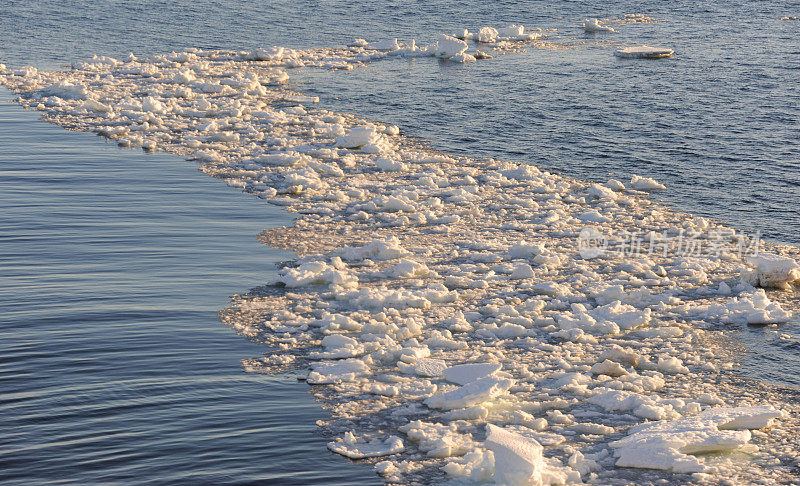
(644, 52)
(771, 271)
(354, 448)
(518, 460)
(594, 25)
(414, 293)
(670, 445)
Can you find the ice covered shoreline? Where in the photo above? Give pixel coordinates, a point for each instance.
(413, 263)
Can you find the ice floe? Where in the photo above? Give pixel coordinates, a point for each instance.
(354, 448)
(671, 445)
(443, 298)
(594, 25)
(644, 52)
(772, 271)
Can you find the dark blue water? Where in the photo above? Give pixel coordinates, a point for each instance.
(719, 123)
(113, 364)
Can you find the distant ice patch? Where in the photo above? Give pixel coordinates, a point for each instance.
(644, 52)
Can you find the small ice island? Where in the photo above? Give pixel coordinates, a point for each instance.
(644, 52)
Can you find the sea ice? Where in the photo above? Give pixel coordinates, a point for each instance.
(383, 45)
(643, 52)
(66, 90)
(378, 249)
(358, 137)
(473, 393)
(772, 271)
(518, 460)
(354, 448)
(645, 184)
(448, 47)
(437, 440)
(323, 372)
(594, 25)
(668, 445)
(469, 372)
(548, 341)
(749, 308)
(317, 273)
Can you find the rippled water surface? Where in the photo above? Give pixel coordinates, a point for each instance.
(719, 123)
(114, 366)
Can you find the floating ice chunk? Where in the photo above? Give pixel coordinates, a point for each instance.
(180, 57)
(96, 106)
(337, 322)
(382, 389)
(324, 372)
(593, 217)
(184, 77)
(511, 31)
(645, 184)
(477, 465)
(96, 63)
(771, 271)
(643, 52)
(438, 440)
(269, 54)
(316, 273)
(66, 90)
(573, 379)
(463, 58)
(617, 400)
(607, 319)
(387, 249)
(594, 25)
(668, 445)
(25, 72)
(383, 45)
(487, 35)
(153, 105)
(283, 159)
(447, 46)
(602, 192)
(592, 429)
(518, 460)
(388, 165)
(358, 137)
(350, 446)
(615, 185)
(409, 269)
(473, 393)
(423, 367)
(671, 365)
(339, 346)
(749, 308)
(521, 271)
(553, 289)
(469, 372)
(609, 368)
(377, 298)
(523, 249)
